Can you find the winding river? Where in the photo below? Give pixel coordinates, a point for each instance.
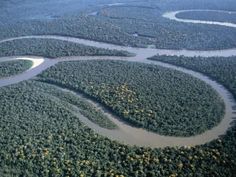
(172, 16)
(126, 133)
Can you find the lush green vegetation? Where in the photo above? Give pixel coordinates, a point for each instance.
(151, 97)
(219, 68)
(53, 48)
(88, 110)
(77, 26)
(10, 68)
(209, 16)
(41, 136)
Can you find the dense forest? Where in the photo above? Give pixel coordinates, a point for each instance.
(10, 68)
(40, 131)
(209, 16)
(219, 68)
(121, 23)
(164, 33)
(53, 48)
(79, 26)
(41, 136)
(147, 96)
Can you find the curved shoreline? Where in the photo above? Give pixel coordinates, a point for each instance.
(172, 16)
(131, 135)
(35, 60)
(128, 134)
(39, 64)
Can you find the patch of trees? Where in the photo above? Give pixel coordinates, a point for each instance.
(219, 68)
(53, 48)
(152, 97)
(86, 109)
(86, 27)
(39, 136)
(10, 68)
(209, 16)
